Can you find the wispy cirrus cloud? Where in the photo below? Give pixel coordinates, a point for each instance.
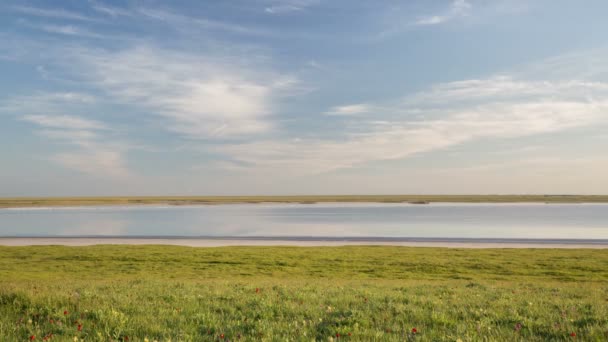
(43, 103)
(51, 13)
(67, 30)
(504, 88)
(194, 24)
(352, 109)
(503, 108)
(201, 97)
(188, 23)
(98, 162)
(288, 6)
(65, 122)
(111, 11)
(86, 138)
(458, 8)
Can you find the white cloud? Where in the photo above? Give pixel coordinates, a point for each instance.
(436, 19)
(73, 136)
(287, 6)
(99, 162)
(503, 108)
(90, 152)
(202, 97)
(458, 8)
(69, 30)
(188, 24)
(64, 121)
(46, 103)
(110, 10)
(352, 109)
(51, 13)
(504, 88)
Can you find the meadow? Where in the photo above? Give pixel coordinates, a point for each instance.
(21, 202)
(359, 293)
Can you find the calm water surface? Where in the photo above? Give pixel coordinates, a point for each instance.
(508, 221)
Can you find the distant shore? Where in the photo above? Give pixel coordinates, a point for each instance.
(304, 242)
(26, 202)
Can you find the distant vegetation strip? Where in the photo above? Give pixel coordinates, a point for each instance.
(209, 200)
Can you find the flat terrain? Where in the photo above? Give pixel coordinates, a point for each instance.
(420, 199)
(354, 293)
(313, 242)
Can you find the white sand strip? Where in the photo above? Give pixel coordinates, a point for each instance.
(310, 243)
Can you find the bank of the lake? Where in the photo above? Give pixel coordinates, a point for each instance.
(303, 242)
(23, 202)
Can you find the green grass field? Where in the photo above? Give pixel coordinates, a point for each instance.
(188, 200)
(162, 293)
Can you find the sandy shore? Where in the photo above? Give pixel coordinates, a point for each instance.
(287, 242)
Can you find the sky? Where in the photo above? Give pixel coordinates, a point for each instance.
(275, 97)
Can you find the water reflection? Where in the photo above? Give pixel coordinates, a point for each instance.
(563, 221)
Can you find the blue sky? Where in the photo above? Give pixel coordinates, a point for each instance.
(303, 97)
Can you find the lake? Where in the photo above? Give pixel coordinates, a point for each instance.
(327, 220)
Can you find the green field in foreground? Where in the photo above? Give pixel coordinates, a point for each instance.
(188, 200)
(162, 293)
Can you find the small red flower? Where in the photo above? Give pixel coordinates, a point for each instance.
(79, 327)
(573, 334)
(257, 290)
(126, 338)
(414, 331)
(337, 335)
(65, 312)
(33, 337)
(221, 335)
(349, 334)
(518, 327)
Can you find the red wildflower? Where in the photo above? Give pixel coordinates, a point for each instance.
(573, 334)
(349, 334)
(65, 312)
(414, 330)
(33, 337)
(518, 327)
(257, 290)
(221, 335)
(338, 335)
(79, 327)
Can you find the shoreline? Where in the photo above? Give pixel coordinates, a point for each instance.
(305, 242)
(33, 202)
